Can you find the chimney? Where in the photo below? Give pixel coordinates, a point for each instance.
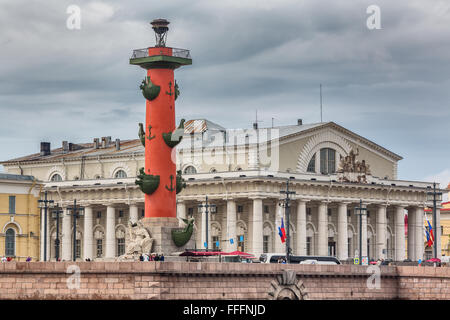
(299, 122)
(108, 141)
(96, 143)
(65, 146)
(103, 142)
(45, 148)
(117, 144)
(255, 125)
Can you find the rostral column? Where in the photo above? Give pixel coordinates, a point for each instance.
(159, 180)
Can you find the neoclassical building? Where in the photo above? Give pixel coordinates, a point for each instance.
(330, 169)
(19, 217)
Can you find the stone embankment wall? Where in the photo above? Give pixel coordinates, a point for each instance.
(194, 280)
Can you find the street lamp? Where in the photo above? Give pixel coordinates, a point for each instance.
(435, 196)
(45, 204)
(286, 206)
(360, 214)
(55, 215)
(213, 210)
(75, 212)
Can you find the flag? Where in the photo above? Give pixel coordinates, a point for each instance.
(429, 233)
(282, 232)
(430, 228)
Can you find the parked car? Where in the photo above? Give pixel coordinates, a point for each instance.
(275, 257)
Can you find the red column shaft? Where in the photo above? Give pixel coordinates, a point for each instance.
(160, 115)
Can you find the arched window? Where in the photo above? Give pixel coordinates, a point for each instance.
(120, 174)
(190, 170)
(327, 161)
(312, 164)
(56, 177)
(10, 243)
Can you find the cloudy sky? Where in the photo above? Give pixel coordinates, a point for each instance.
(390, 85)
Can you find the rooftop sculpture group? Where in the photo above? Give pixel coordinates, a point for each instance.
(352, 170)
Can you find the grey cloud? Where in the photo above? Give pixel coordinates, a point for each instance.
(389, 85)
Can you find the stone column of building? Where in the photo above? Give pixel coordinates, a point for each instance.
(411, 240)
(110, 237)
(257, 232)
(322, 229)
(419, 235)
(231, 226)
(134, 213)
(381, 232)
(364, 231)
(181, 212)
(301, 228)
(399, 224)
(88, 241)
(342, 232)
(66, 243)
(203, 228)
(279, 247)
(42, 241)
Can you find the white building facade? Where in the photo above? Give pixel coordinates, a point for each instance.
(242, 172)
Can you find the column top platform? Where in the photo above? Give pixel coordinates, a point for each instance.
(161, 57)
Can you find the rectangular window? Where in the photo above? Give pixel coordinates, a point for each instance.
(240, 209)
(308, 246)
(99, 248)
(120, 246)
(329, 212)
(190, 212)
(121, 214)
(12, 204)
(349, 247)
(99, 214)
(77, 249)
(57, 251)
(266, 209)
(143, 213)
(240, 244)
(216, 244)
(265, 244)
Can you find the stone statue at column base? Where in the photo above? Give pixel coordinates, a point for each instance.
(138, 242)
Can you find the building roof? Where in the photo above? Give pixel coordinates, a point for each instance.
(200, 125)
(15, 177)
(127, 147)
